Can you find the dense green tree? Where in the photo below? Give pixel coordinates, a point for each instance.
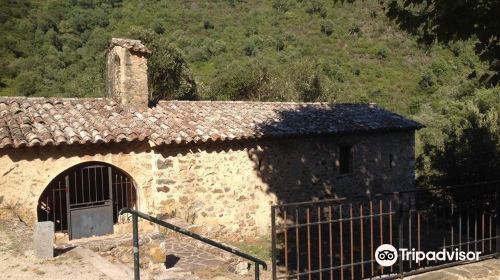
(449, 21)
(169, 76)
(470, 147)
(425, 60)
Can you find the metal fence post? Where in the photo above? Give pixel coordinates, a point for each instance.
(135, 231)
(497, 220)
(401, 216)
(273, 243)
(257, 272)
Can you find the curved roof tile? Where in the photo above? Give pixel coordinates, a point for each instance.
(53, 121)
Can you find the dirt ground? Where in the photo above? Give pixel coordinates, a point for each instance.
(18, 262)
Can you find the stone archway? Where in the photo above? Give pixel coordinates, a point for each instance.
(85, 199)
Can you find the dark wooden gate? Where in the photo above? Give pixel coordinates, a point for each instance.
(84, 200)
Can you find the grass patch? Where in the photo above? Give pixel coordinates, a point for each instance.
(260, 248)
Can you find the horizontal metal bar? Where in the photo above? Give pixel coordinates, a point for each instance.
(93, 167)
(335, 221)
(88, 207)
(324, 269)
(194, 235)
(84, 204)
(386, 194)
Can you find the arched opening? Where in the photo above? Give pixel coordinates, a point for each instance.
(85, 199)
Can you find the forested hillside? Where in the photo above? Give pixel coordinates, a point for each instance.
(295, 50)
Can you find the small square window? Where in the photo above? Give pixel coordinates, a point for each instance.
(345, 159)
(392, 162)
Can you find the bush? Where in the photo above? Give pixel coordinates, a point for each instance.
(216, 47)
(252, 45)
(238, 81)
(280, 44)
(471, 148)
(281, 5)
(310, 82)
(158, 28)
(169, 75)
(382, 53)
(327, 27)
(355, 30)
(208, 25)
(426, 81)
(249, 48)
(315, 7)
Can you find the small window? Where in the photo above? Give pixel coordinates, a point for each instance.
(345, 159)
(392, 163)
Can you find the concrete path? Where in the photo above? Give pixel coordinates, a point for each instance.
(483, 270)
(115, 271)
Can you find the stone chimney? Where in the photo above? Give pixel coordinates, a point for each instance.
(127, 73)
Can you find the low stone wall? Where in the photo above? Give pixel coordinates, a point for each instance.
(228, 186)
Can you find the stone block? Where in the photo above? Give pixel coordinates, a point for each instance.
(164, 163)
(44, 240)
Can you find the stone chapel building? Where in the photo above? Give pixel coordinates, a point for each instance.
(77, 161)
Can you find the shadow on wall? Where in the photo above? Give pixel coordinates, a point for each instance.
(76, 150)
(318, 167)
(303, 168)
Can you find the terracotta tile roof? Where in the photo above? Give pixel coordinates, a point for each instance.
(27, 122)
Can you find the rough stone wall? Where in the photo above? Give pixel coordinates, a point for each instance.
(232, 186)
(128, 78)
(228, 186)
(25, 173)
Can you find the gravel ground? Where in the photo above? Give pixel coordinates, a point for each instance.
(17, 260)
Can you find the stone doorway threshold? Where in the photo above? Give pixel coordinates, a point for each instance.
(483, 270)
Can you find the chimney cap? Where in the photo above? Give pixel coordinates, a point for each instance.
(130, 44)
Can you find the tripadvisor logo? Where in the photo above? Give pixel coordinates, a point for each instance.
(387, 255)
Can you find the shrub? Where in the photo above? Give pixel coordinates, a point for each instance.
(310, 82)
(252, 45)
(355, 30)
(327, 27)
(315, 7)
(208, 25)
(281, 5)
(158, 28)
(426, 81)
(280, 44)
(238, 81)
(382, 53)
(169, 75)
(249, 48)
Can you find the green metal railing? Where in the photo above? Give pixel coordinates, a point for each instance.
(135, 217)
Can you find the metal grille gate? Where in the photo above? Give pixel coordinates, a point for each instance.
(85, 200)
(338, 238)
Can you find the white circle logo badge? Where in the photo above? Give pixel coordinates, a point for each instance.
(386, 255)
